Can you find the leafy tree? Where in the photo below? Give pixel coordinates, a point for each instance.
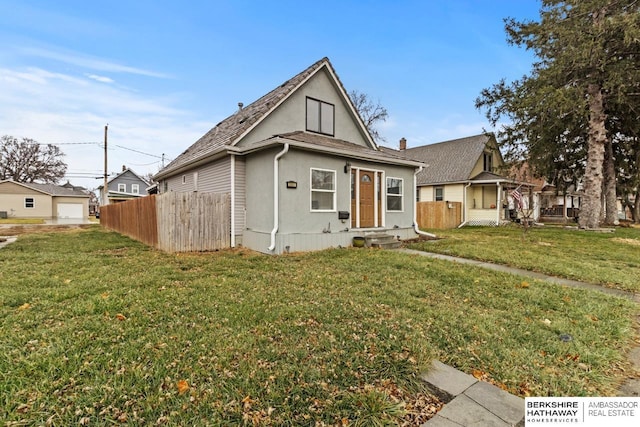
(586, 72)
(370, 112)
(28, 161)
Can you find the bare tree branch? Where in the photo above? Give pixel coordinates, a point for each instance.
(28, 161)
(370, 113)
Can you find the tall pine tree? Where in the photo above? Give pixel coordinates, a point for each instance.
(586, 71)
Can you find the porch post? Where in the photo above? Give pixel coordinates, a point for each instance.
(499, 203)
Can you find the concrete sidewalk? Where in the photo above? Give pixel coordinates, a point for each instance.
(469, 402)
(527, 273)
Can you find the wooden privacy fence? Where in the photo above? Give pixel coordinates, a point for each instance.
(134, 218)
(439, 214)
(174, 222)
(189, 222)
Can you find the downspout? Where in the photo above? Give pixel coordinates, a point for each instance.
(233, 201)
(276, 218)
(415, 206)
(465, 205)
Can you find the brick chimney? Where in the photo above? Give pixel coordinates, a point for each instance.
(403, 144)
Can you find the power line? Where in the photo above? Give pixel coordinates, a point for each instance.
(140, 152)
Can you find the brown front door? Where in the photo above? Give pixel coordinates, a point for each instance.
(367, 196)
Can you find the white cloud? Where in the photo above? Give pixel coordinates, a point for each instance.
(85, 61)
(58, 108)
(101, 79)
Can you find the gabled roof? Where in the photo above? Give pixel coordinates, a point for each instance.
(51, 189)
(122, 173)
(230, 131)
(449, 161)
(134, 174)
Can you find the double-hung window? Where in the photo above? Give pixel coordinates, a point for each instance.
(438, 195)
(394, 194)
(122, 188)
(323, 190)
(135, 188)
(320, 116)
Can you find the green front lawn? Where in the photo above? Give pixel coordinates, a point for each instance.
(610, 259)
(99, 329)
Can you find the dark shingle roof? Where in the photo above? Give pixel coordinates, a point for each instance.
(333, 144)
(227, 131)
(448, 161)
(56, 190)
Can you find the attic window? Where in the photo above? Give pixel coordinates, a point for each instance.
(488, 162)
(29, 203)
(320, 116)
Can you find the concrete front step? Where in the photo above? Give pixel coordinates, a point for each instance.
(382, 241)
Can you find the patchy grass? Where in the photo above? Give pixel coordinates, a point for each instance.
(99, 329)
(609, 259)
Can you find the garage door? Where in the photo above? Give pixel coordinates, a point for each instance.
(70, 210)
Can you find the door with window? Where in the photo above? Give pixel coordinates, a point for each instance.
(364, 195)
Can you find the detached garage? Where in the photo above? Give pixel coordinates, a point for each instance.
(47, 201)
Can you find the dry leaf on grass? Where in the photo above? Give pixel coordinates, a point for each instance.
(183, 386)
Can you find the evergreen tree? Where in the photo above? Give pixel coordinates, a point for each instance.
(586, 71)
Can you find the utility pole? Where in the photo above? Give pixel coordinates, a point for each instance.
(105, 190)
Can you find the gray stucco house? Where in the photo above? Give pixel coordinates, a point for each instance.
(302, 170)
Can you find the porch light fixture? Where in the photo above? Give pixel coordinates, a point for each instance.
(347, 166)
(292, 184)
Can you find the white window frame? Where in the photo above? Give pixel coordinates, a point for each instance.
(401, 195)
(318, 121)
(135, 188)
(122, 188)
(312, 190)
(27, 203)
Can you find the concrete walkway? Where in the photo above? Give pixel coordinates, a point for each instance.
(469, 402)
(527, 273)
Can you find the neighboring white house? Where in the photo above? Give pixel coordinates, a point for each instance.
(46, 201)
(302, 170)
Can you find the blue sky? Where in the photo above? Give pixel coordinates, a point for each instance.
(162, 73)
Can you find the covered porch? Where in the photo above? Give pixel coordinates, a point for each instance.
(488, 200)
